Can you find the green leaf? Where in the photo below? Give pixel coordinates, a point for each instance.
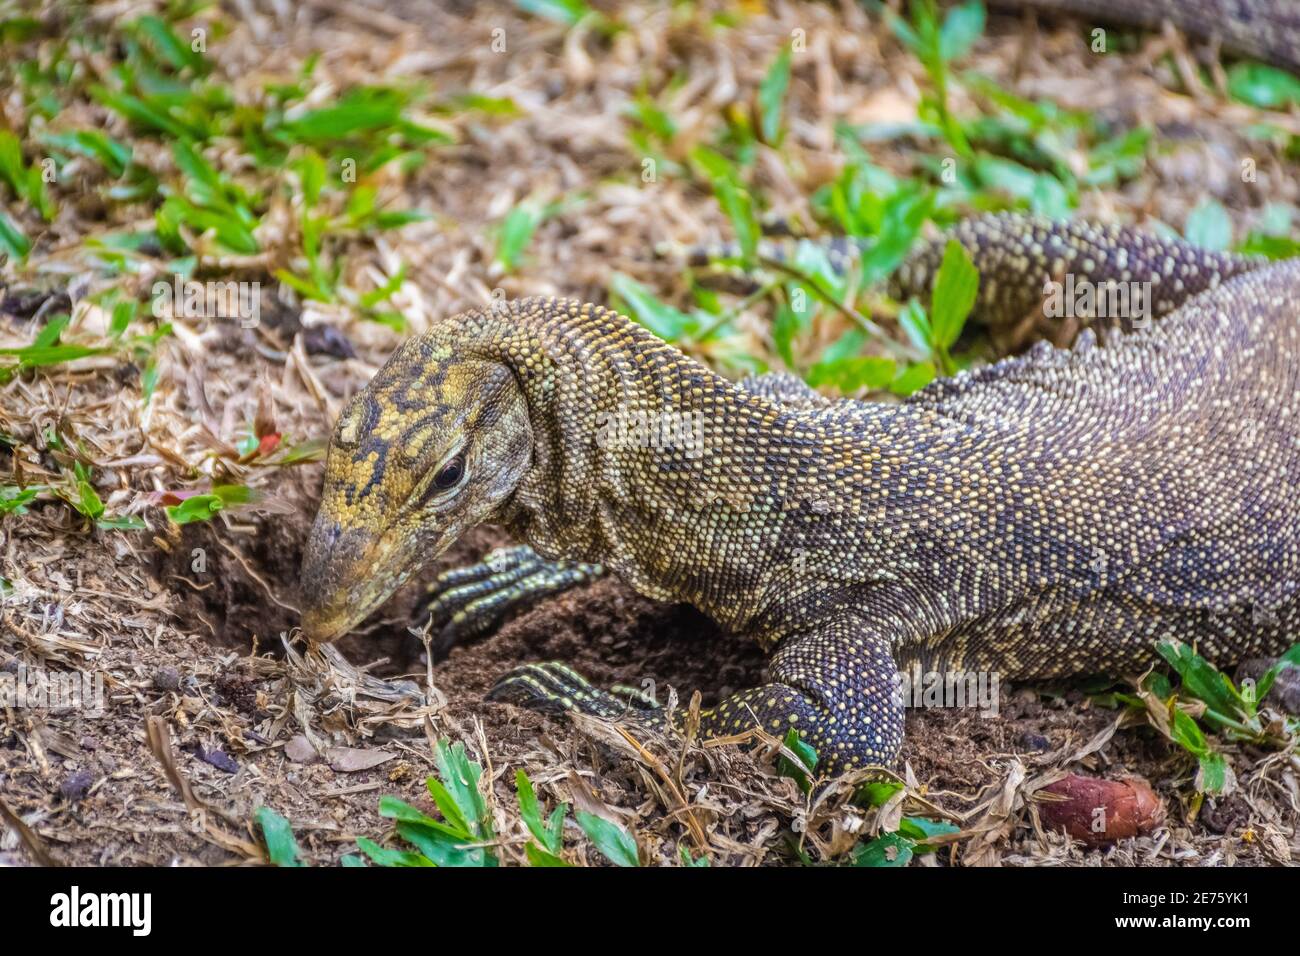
(393, 808)
(203, 507)
(1158, 684)
(785, 325)
(886, 850)
(955, 288)
(1118, 159)
(306, 289)
(386, 857)
(49, 335)
(962, 26)
(460, 775)
(13, 500)
(818, 279)
(902, 217)
(174, 51)
(121, 523)
(609, 838)
(19, 29)
(310, 168)
(652, 117)
(143, 113)
(665, 321)
(148, 382)
(516, 231)
(361, 111)
(1276, 219)
(903, 30)
(446, 804)
(12, 168)
(34, 355)
(771, 98)
(1263, 86)
(567, 12)
(204, 184)
(713, 165)
(922, 830)
(877, 792)
(491, 105)
(547, 834)
(281, 846)
(1186, 732)
(1290, 659)
(444, 849)
(539, 857)
(847, 345)
(361, 203)
(1043, 192)
(87, 502)
(12, 241)
(916, 323)
(311, 450)
(418, 135)
(375, 296)
(854, 374)
(444, 843)
(1209, 226)
(1201, 678)
(37, 194)
(801, 770)
(1273, 247)
(397, 218)
(1211, 772)
(913, 378)
(555, 828)
(122, 314)
(195, 508)
(739, 207)
(1050, 198)
(230, 231)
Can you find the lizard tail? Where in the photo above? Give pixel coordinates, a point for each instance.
(1263, 29)
(1041, 279)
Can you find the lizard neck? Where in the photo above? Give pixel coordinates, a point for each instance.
(685, 485)
(621, 426)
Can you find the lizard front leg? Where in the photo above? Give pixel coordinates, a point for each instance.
(468, 602)
(836, 684)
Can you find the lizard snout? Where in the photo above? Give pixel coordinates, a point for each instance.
(340, 583)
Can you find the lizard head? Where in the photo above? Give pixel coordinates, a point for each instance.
(431, 447)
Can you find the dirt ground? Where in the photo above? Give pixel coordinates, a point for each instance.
(189, 626)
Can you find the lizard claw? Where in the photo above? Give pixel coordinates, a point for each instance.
(553, 687)
(465, 603)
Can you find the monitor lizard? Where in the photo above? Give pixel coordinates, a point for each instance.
(1054, 513)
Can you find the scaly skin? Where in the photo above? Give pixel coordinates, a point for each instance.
(1052, 514)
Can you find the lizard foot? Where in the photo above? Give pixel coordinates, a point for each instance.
(465, 603)
(554, 688)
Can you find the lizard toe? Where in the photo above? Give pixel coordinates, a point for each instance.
(466, 603)
(554, 687)
(635, 697)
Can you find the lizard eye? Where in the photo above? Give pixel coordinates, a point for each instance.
(450, 474)
(448, 477)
